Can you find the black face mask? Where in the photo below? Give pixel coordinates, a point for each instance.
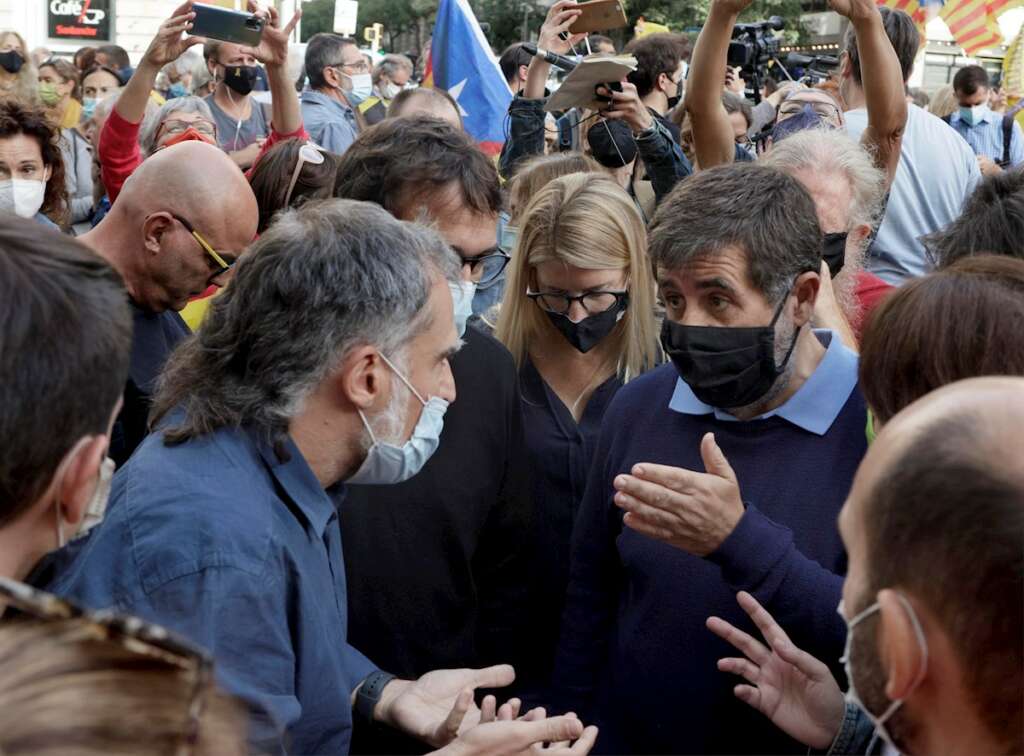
(589, 332)
(674, 100)
(241, 78)
(11, 61)
(833, 252)
(726, 367)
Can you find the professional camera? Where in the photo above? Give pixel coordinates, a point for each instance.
(753, 48)
(811, 69)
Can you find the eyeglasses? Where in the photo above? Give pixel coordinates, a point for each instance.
(824, 109)
(593, 302)
(131, 633)
(360, 66)
(175, 126)
(308, 153)
(486, 268)
(224, 266)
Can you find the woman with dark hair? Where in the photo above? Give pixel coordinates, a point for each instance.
(290, 174)
(98, 83)
(32, 183)
(964, 321)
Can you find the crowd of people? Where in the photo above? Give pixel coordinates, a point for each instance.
(328, 432)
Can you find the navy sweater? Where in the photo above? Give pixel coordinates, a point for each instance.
(635, 656)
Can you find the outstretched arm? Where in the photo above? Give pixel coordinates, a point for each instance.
(712, 133)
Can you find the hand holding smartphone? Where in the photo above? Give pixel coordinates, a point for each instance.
(227, 25)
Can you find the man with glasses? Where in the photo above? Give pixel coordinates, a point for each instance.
(339, 81)
(182, 219)
(436, 563)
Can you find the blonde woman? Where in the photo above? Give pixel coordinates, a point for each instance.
(18, 76)
(578, 317)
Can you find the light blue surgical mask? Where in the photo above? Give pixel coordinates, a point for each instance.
(462, 297)
(177, 89)
(973, 116)
(89, 107)
(509, 236)
(851, 694)
(362, 87)
(387, 464)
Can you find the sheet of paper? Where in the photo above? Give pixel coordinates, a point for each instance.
(577, 91)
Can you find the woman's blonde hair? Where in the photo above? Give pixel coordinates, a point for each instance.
(585, 220)
(944, 102)
(66, 688)
(538, 172)
(27, 89)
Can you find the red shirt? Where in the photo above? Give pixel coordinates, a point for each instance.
(870, 290)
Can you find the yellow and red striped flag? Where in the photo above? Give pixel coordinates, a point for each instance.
(973, 23)
(912, 8)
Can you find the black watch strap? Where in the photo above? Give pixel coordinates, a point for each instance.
(370, 692)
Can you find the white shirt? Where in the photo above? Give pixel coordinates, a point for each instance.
(936, 174)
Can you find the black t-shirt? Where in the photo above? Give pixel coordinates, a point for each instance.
(154, 337)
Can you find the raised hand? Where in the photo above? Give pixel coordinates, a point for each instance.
(440, 704)
(168, 44)
(789, 686)
(560, 17)
(855, 10)
(273, 47)
(627, 107)
(735, 7)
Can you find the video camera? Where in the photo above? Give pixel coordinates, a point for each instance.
(753, 48)
(815, 68)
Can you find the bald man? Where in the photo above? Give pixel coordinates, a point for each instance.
(179, 224)
(934, 595)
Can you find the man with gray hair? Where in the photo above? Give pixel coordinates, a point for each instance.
(339, 82)
(848, 191)
(325, 361)
(390, 78)
(738, 454)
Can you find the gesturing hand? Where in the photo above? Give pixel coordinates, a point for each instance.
(273, 47)
(789, 686)
(531, 735)
(168, 44)
(855, 10)
(735, 7)
(692, 511)
(436, 706)
(560, 17)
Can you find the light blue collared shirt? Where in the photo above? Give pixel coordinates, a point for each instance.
(815, 405)
(986, 136)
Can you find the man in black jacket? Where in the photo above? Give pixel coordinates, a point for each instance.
(435, 565)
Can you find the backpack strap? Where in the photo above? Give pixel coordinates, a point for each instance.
(1007, 138)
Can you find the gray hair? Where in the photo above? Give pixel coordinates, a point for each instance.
(324, 50)
(763, 212)
(325, 279)
(151, 124)
(390, 66)
(832, 152)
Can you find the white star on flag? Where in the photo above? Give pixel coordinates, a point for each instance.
(456, 92)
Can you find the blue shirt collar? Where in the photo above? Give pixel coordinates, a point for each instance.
(815, 405)
(312, 97)
(298, 482)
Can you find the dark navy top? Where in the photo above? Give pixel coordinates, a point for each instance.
(635, 656)
(559, 452)
(240, 552)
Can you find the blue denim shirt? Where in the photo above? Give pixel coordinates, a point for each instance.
(239, 551)
(329, 123)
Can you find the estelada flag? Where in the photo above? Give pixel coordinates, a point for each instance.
(461, 63)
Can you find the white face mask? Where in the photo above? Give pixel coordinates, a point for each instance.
(97, 506)
(391, 91)
(23, 197)
(462, 297)
(972, 116)
(385, 463)
(851, 694)
(362, 87)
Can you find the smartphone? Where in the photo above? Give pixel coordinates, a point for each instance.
(599, 16)
(226, 25)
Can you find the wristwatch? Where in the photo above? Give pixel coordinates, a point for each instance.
(370, 692)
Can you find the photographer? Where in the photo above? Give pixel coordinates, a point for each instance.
(660, 152)
(883, 89)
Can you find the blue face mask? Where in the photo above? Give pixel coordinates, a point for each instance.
(805, 119)
(89, 107)
(177, 89)
(387, 464)
(973, 116)
(462, 297)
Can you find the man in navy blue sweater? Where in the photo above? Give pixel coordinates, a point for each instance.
(731, 464)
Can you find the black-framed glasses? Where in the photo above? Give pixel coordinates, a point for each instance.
(593, 302)
(207, 247)
(136, 636)
(486, 268)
